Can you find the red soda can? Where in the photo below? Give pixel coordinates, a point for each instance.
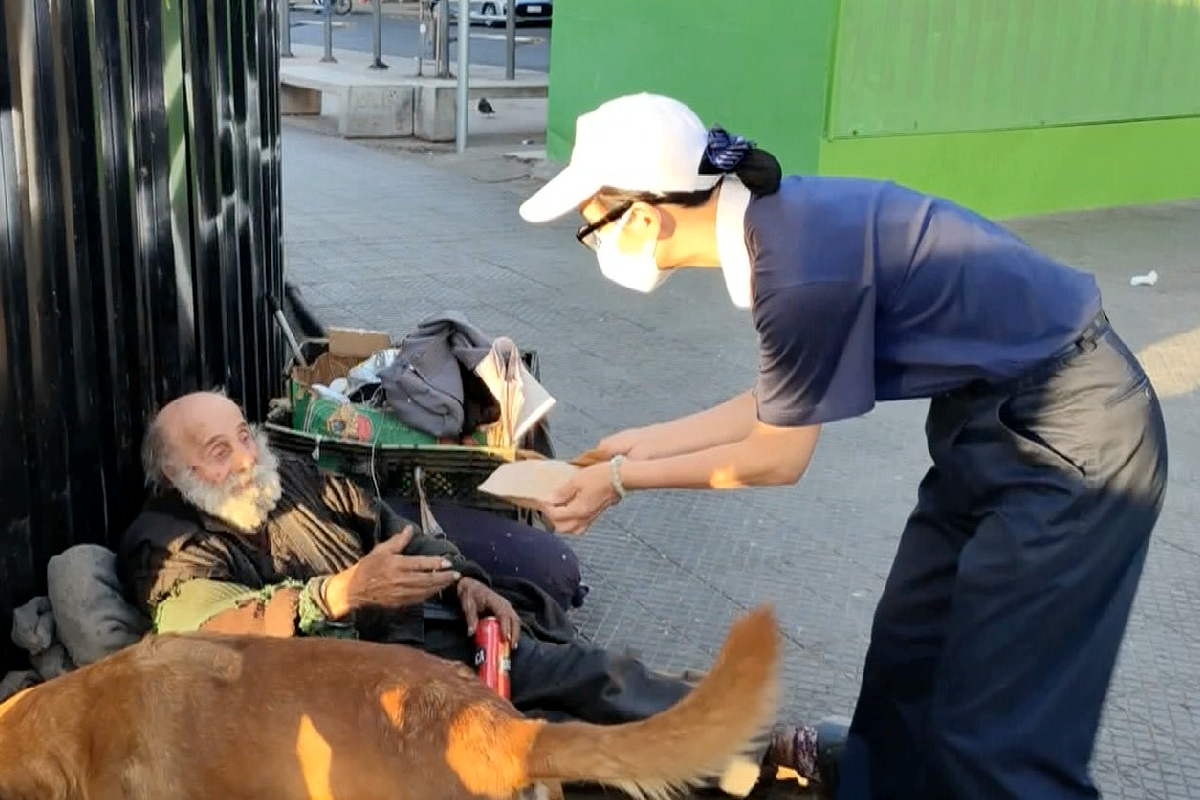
(492, 657)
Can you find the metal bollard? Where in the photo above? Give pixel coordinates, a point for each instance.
(377, 10)
(464, 69)
(285, 29)
(442, 43)
(510, 41)
(328, 57)
(422, 39)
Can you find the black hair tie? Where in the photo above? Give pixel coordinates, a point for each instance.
(725, 151)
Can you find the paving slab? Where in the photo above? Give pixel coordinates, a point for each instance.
(382, 239)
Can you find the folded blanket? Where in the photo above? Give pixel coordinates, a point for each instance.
(90, 611)
(84, 618)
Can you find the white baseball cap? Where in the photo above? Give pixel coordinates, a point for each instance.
(638, 143)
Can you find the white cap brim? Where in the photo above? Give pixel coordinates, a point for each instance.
(564, 193)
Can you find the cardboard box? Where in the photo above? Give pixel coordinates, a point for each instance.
(357, 342)
(353, 422)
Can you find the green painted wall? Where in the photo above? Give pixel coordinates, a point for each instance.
(1021, 106)
(1034, 171)
(1011, 106)
(943, 66)
(723, 59)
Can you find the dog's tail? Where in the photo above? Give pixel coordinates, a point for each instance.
(696, 739)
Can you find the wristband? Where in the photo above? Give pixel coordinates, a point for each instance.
(312, 616)
(614, 469)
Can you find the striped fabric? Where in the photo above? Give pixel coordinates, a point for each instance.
(726, 151)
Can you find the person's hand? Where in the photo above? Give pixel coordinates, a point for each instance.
(577, 503)
(386, 577)
(635, 443)
(479, 600)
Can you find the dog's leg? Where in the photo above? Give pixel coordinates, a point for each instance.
(542, 791)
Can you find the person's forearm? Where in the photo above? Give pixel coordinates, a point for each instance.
(728, 422)
(194, 603)
(757, 460)
(225, 607)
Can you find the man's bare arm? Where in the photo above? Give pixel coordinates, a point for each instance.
(286, 609)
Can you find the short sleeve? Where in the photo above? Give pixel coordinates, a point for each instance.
(816, 353)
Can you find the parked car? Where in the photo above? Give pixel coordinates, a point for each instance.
(340, 7)
(495, 12)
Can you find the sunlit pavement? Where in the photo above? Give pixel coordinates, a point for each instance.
(382, 240)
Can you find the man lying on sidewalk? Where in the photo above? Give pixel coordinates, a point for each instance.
(237, 539)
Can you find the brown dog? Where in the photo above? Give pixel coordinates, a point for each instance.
(204, 716)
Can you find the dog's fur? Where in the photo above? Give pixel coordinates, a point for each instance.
(204, 716)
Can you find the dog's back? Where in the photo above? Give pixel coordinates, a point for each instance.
(245, 718)
(80, 735)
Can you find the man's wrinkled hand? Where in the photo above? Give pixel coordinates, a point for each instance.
(388, 578)
(479, 600)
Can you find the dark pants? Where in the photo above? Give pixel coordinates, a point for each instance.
(996, 636)
(568, 681)
(503, 546)
(576, 681)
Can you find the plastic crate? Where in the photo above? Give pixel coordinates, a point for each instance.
(449, 472)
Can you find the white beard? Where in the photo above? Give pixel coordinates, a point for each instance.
(245, 509)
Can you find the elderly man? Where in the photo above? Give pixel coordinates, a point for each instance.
(237, 539)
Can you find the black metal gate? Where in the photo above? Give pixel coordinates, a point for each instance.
(140, 242)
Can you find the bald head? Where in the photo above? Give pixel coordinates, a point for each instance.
(201, 446)
(205, 432)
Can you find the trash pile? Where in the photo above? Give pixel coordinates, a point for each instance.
(444, 383)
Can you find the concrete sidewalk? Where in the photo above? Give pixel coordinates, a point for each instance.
(381, 239)
(513, 120)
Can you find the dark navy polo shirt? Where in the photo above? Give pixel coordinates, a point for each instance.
(864, 291)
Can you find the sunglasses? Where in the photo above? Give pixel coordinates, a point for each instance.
(588, 233)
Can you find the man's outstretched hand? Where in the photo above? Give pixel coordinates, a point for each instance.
(479, 600)
(388, 578)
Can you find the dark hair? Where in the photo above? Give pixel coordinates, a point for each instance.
(758, 170)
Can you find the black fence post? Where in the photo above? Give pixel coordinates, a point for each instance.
(140, 204)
